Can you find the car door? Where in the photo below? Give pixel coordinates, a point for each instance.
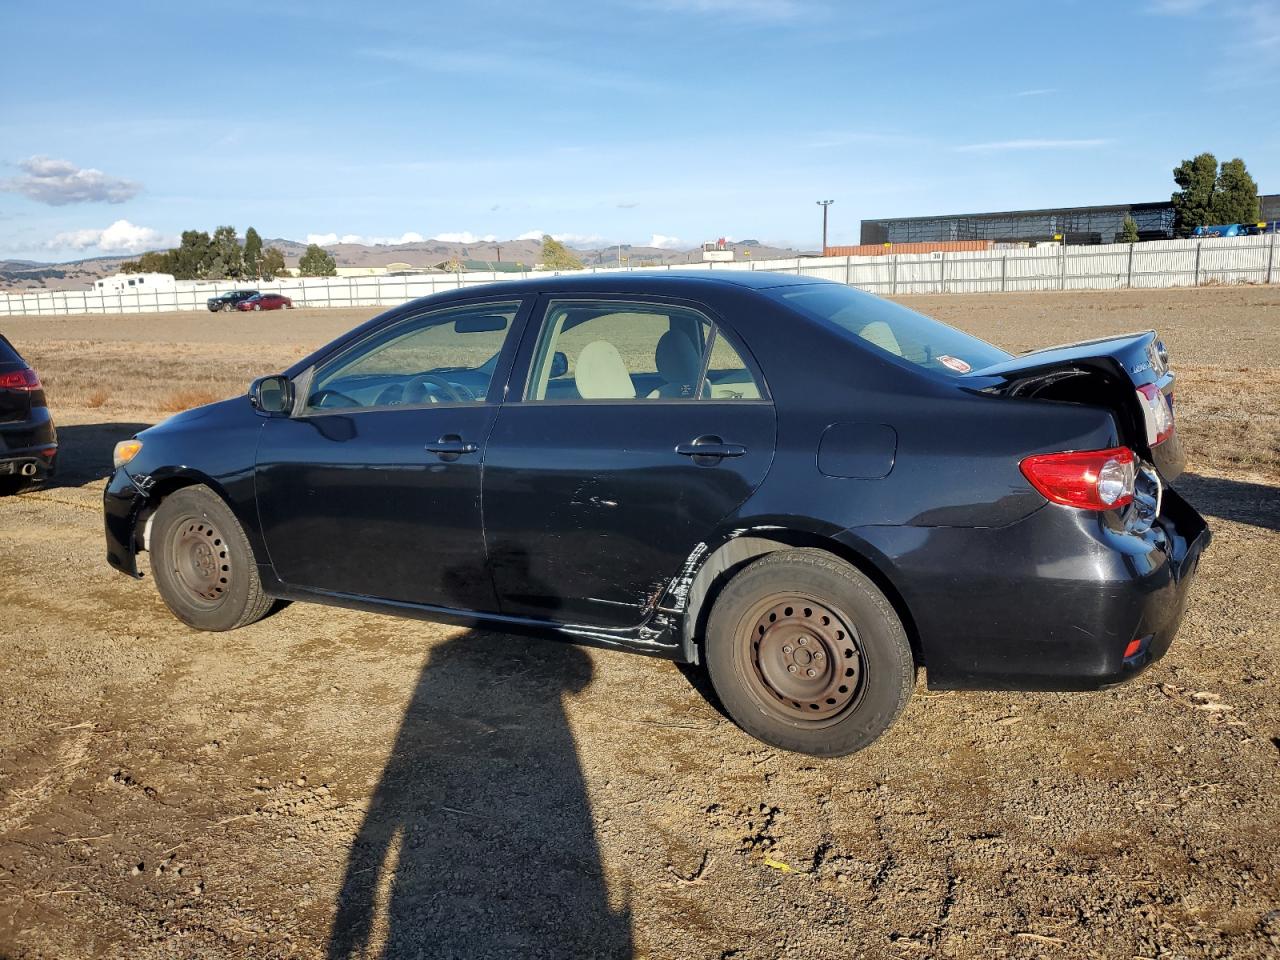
(595, 490)
(372, 486)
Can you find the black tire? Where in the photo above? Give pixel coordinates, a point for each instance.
(203, 565)
(808, 655)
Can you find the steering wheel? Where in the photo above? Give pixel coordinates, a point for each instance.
(415, 390)
(327, 399)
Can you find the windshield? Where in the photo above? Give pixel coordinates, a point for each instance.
(892, 328)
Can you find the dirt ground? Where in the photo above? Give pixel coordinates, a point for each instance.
(336, 784)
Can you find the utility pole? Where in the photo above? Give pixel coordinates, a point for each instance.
(498, 247)
(824, 204)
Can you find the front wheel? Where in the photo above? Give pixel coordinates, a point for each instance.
(257, 306)
(203, 564)
(808, 655)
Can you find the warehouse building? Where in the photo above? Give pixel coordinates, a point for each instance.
(1101, 224)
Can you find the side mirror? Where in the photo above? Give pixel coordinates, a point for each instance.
(272, 395)
(559, 364)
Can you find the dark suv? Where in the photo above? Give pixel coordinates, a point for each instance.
(229, 300)
(28, 442)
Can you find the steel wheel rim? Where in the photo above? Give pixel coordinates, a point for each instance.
(801, 658)
(200, 561)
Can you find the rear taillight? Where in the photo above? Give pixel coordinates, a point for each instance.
(1088, 479)
(20, 380)
(1157, 413)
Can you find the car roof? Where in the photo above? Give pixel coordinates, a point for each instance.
(670, 282)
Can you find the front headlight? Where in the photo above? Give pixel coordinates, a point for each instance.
(125, 451)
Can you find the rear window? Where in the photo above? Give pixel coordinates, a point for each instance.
(891, 328)
(7, 353)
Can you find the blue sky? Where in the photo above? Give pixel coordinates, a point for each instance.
(675, 120)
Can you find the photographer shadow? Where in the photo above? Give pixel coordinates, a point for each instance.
(479, 839)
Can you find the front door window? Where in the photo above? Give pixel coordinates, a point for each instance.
(447, 356)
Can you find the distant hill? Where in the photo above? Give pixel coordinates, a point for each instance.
(80, 274)
(72, 275)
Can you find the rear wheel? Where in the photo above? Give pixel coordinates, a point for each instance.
(808, 655)
(203, 564)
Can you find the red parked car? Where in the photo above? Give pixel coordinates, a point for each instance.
(266, 301)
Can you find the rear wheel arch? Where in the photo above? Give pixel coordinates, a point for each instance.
(735, 553)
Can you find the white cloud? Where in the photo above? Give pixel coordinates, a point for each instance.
(60, 182)
(121, 237)
(663, 242)
(330, 239)
(1036, 92)
(573, 239)
(465, 236)
(1001, 145)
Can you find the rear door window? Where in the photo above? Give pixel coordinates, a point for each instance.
(611, 350)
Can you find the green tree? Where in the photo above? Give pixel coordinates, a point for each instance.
(153, 261)
(1210, 195)
(252, 253)
(1129, 230)
(316, 262)
(193, 256)
(1193, 203)
(556, 256)
(1235, 198)
(226, 260)
(272, 264)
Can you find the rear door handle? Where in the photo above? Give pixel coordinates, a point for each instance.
(450, 447)
(709, 450)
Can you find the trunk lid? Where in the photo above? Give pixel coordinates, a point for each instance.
(1129, 375)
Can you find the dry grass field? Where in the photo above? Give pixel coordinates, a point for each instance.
(335, 784)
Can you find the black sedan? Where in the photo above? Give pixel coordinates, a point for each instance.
(28, 440)
(229, 300)
(809, 490)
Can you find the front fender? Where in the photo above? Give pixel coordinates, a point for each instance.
(122, 503)
(130, 498)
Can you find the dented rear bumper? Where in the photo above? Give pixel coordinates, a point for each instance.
(1051, 602)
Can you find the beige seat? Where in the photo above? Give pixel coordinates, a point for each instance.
(601, 375)
(881, 334)
(679, 363)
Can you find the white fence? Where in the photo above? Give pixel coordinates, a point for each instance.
(1119, 266)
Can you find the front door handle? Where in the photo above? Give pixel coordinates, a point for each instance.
(450, 447)
(709, 450)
